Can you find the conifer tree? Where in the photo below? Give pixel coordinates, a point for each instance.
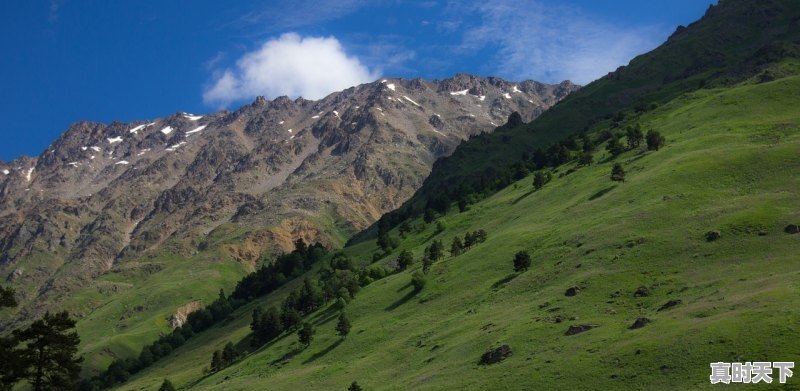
(343, 326)
(50, 352)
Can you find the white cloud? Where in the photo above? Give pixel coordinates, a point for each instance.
(311, 67)
(553, 43)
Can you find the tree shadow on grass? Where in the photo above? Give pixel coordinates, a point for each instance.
(408, 296)
(504, 280)
(324, 351)
(523, 196)
(325, 319)
(601, 192)
(288, 356)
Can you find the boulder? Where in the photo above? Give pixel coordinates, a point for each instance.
(712, 236)
(641, 291)
(493, 356)
(669, 304)
(639, 323)
(577, 329)
(572, 291)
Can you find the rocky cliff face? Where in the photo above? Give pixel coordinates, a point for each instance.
(104, 195)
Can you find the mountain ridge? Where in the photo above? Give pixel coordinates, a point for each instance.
(105, 199)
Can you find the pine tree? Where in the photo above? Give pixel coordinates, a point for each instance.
(456, 247)
(306, 334)
(354, 387)
(343, 326)
(655, 140)
(418, 281)
(586, 159)
(405, 259)
(50, 352)
(271, 324)
(229, 354)
(7, 297)
(436, 250)
(289, 317)
(617, 173)
(11, 369)
(166, 386)
(469, 240)
(538, 180)
(635, 136)
(522, 261)
(216, 361)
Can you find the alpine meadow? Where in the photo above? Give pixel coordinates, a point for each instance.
(640, 232)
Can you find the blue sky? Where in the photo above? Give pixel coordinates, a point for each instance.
(67, 60)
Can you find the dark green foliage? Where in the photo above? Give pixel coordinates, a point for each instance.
(439, 227)
(617, 173)
(290, 317)
(522, 261)
(435, 251)
(166, 386)
(11, 369)
(655, 140)
(50, 352)
(404, 228)
(456, 247)
(216, 361)
(229, 354)
(405, 260)
(418, 281)
(586, 159)
(541, 178)
(306, 334)
(354, 387)
(426, 264)
(343, 325)
(615, 147)
(7, 297)
(266, 326)
(430, 216)
(473, 238)
(635, 136)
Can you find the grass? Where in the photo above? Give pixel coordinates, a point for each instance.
(727, 166)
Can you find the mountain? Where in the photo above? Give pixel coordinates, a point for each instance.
(634, 284)
(122, 222)
(734, 41)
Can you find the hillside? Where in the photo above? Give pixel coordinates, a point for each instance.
(694, 240)
(724, 168)
(126, 225)
(734, 41)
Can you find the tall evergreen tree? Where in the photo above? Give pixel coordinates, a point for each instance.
(306, 334)
(522, 261)
(617, 173)
(635, 136)
(456, 247)
(343, 326)
(655, 140)
(7, 298)
(217, 363)
(229, 354)
(11, 369)
(405, 259)
(354, 387)
(50, 352)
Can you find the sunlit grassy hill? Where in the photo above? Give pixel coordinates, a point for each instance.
(729, 165)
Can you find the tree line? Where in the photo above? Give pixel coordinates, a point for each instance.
(269, 277)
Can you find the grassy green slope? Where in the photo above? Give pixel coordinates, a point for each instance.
(728, 166)
(734, 41)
